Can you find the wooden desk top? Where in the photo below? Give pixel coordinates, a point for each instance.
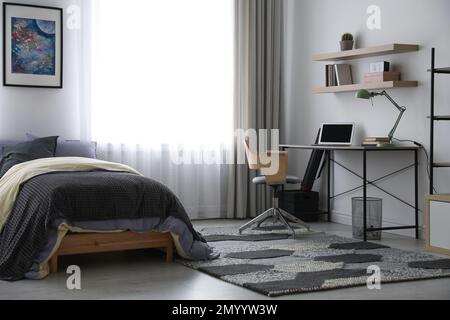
(400, 147)
(438, 197)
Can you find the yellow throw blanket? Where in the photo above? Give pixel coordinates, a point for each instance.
(12, 181)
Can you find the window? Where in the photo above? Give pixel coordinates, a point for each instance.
(162, 71)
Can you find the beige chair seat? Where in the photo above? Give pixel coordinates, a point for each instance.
(289, 180)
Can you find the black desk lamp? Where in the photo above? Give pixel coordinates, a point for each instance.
(364, 94)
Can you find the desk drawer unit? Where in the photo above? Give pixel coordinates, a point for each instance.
(437, 224)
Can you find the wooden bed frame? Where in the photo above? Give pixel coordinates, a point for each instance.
(86, 243)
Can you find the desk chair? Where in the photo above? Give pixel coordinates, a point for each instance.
(275, 182)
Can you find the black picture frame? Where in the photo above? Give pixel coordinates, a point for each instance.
(59, 32)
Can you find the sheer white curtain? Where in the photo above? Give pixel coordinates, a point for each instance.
(162, 86)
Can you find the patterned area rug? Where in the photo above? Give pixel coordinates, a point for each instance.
(269, 262)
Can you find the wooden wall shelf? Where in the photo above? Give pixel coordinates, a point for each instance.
(367, 86)
(388, 49)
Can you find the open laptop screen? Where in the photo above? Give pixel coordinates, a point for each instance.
(337, 134)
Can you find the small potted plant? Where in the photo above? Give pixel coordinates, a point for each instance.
(347, 42)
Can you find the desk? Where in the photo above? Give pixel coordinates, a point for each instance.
(329, 150)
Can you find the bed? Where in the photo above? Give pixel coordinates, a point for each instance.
(67, 205)
(89, 243)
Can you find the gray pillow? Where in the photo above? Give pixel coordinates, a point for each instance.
(6, 143)
(27, 151)
(73, 148)
(80, 149)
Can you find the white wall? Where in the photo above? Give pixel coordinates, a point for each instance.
(315, 26)
(45, 111)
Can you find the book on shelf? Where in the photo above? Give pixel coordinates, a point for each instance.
(331, 80)
(343, 74)
(375, 141)
(338, 75)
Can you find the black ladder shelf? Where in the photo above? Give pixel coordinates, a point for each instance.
(434, 118)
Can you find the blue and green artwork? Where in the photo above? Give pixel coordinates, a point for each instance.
(33, 46)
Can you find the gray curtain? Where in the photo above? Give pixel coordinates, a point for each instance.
(258, 84)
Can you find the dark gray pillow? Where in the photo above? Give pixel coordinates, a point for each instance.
(73, 148)
(82, 149)
(27, 151)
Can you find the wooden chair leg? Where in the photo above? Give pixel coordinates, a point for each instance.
(54, 264)
(169, 253)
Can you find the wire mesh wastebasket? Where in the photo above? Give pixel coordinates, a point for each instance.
(374, 217)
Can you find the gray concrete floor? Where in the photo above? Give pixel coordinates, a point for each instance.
(144, 275)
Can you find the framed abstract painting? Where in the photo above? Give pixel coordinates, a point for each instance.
(32, 46)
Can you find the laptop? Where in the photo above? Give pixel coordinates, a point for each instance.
(336, 134)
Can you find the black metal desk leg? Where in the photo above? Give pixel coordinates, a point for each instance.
(416, 187)
(329, 185)
(365, 194)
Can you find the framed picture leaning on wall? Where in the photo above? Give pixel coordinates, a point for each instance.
(32, 46)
